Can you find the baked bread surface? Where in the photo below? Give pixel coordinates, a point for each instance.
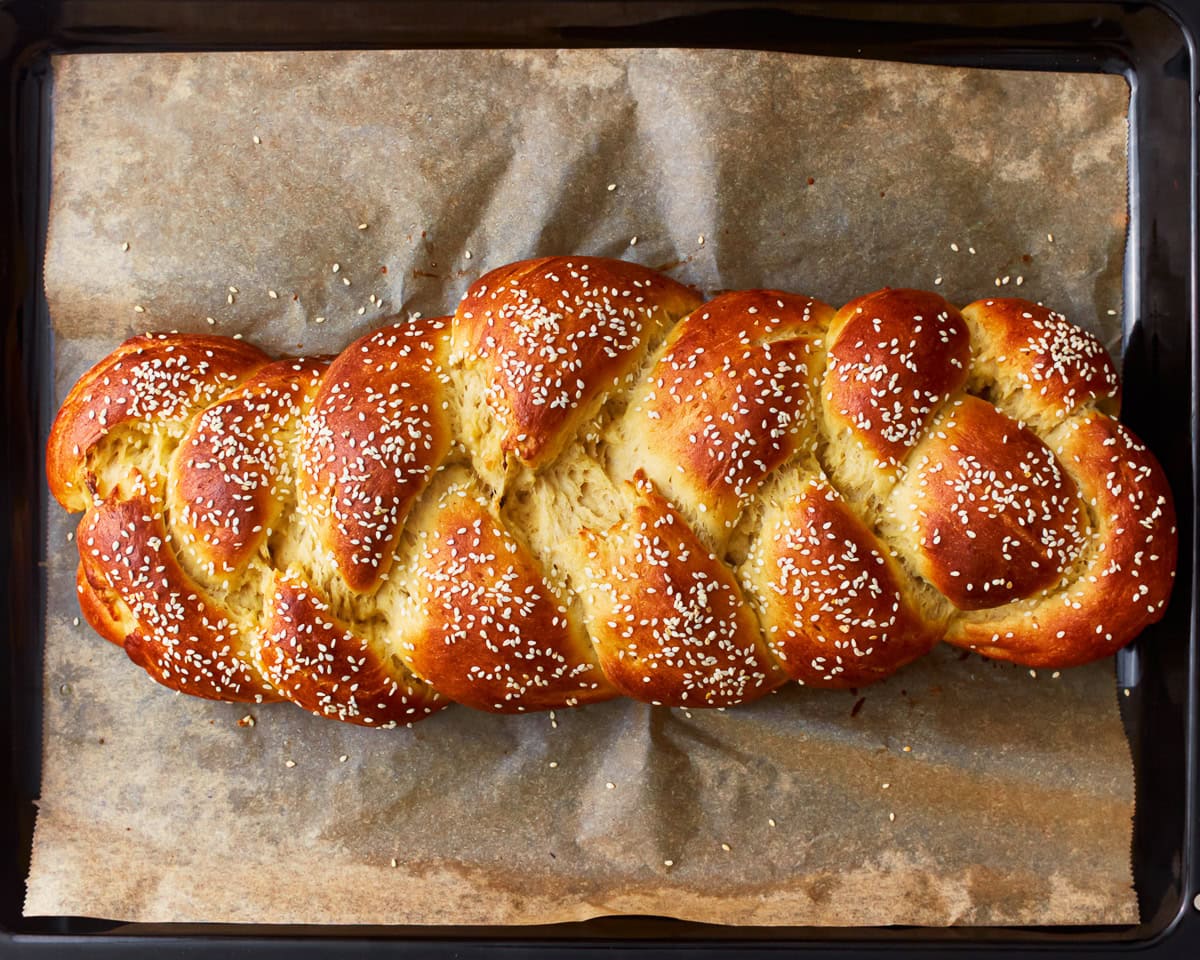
(589, 483)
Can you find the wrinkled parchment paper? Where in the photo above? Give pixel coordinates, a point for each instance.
(960, 791)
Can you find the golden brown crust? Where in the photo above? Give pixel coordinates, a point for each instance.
(409, 526)
(727, 401)
(985, 512)
(485, 628)
(225, 491)
(100, 607)
(549, 336)
(377, 430)
(152, 377)
(830, 597)
(1041, 366)
(322, 665)
(895, 356)
(177, 634)
(1130, 565)
(667, 617)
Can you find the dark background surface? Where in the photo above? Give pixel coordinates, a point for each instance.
(1152, 44)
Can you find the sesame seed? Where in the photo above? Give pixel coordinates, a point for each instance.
(612, 186)
(233, 290)
(246, 721)
(700, 239)
(907, 748)
(1111, 313)
(770, 821)
(337, 267)
(75, 622)
(892, 817)
(1050, 237)
(610, 786)
(937, 281)
(343, 758)
(125, 247)
(553, 764)
(210, 321)
(289, 763)
(633, 240)
(1055, 675)
(971, 250)
(257, 138)
(139, 309)
(394, 862)
(319, 320)
(726, 847)
(229, 299)
(954, 247)
(668, 863)
(886, 785)
(272, 294)
(1126, 691)
(362, 226)
(1020, 280)
(346, 281)
(467, 254)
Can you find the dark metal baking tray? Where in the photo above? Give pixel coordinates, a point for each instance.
(1152, 44)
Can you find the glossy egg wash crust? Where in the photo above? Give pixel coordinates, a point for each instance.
(589, 483)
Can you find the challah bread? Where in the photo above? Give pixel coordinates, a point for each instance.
(589, 483)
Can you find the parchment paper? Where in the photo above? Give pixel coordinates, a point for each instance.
(960, 791)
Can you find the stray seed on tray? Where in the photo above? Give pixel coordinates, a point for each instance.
(1020, 280)
(319, 320)
(246, 721)
(343, 758)
(612, 186)
(1111, 313)
(272, 294)
(1033, 673)
(1049, 238)
(125, 247)
(361, 311)
(610, 786)
(346, 281)
(467, 254)
(937, 281)
(726, 847)
(233, 289)
(75, 622)
(337, 267)
(70, 535)
(954, 247)
(139, 309)
(553, 764)
(971, 250)
(668, 863)
(210, 321)
(229, 299)
(289, 763)
(892, 817)
(362, 226)
(633, 241)
(257, 138)
(770, 821)
(700, 239)
(1055, 675)
(886, 785)
(907, 748)
(394, 864)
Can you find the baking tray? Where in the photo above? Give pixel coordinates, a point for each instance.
(1152, 44)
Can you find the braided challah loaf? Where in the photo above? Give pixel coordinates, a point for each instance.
(589, 483)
